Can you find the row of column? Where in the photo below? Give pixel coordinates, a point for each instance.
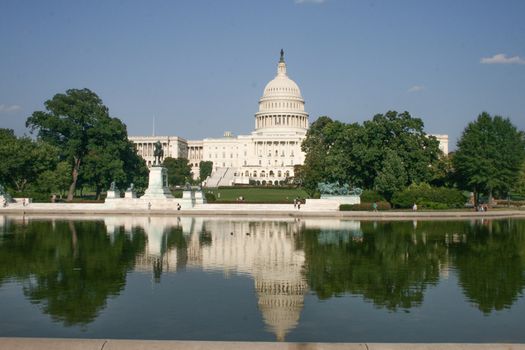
(268, 148)
(296, 121)
(146, 149)
(194, 152)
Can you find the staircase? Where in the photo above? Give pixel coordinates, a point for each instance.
(220, 177)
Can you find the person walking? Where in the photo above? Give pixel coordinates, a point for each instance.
(374, 206)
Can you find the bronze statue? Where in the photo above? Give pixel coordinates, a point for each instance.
(158, 153)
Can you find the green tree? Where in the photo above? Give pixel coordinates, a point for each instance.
(55, 181)
(23, 159)
(68, 123)
(392, 177)
(205, 169)
(519, 186)
(96, 145)
(489, 155)
(355, 154)
(405, 136)
(112, 157)
(329, 157)
(179, 171)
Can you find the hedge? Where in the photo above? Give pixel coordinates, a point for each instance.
(381, 205)
(429, 197)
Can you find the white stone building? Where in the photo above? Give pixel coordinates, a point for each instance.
(266, 156)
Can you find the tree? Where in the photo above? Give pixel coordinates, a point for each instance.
(68, 123)
(95, 144)
(57, 180)
(112, 157)
(179, 171)
(519, 186)
(23, 159)
(489, 155)
(392, 177)
(405, 136)
(355, 154)
(205, 169)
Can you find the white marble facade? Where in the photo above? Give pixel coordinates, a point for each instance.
(267, 155)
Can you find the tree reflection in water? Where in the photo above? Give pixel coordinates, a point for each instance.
(393, 263)
(69, 268)
(491, 266)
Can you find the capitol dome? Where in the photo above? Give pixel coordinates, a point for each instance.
(281, 105)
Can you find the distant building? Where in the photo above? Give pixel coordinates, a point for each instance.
(266, 156)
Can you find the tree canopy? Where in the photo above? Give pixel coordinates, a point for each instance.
(95, 145)
(205, 169)
(179, 171)
(23, 160)
(489, 155)
(357, 154)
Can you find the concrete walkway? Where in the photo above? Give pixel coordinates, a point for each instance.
(255, 210)
(110, 344)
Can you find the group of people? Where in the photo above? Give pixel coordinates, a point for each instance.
(297, 203)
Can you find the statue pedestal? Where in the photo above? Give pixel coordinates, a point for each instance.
(199, 197)
(130, 194)
(113, 194)
(343, 199)
(158, 184)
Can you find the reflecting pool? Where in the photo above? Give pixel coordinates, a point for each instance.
(205, 278)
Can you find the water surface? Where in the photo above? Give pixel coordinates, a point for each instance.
(263, 279)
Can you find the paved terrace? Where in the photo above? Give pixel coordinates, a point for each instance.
(247, 209)
(101, 344)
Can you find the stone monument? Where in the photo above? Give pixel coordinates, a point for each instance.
(130, 192)
(113, 192)
(158, 177)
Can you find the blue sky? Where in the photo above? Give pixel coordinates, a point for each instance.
(199, 67)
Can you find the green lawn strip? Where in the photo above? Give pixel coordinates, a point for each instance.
(258, 195)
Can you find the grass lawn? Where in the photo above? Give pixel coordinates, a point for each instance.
(258, 195)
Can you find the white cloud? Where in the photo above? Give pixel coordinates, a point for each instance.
(416, 88)
(309, 1)
(9, 109)
(501, 58)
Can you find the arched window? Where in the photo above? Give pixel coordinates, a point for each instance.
(287, 173)
(279, 173)
(246, 173)
(263, 173)
(271, 173)
(255, 173)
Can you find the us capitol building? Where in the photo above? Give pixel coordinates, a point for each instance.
(266, 156)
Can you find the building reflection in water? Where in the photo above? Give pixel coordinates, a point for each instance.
(263, 249)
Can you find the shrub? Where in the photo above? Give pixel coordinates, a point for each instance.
(370, 196)
(429, 197)
(381, 205)
(210, 197)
